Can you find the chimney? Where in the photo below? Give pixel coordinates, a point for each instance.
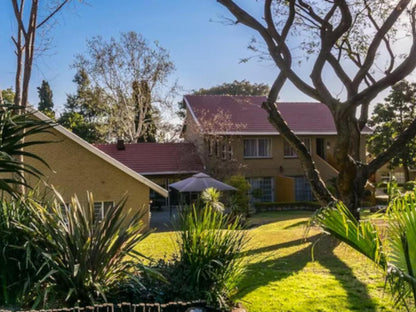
(120, 145)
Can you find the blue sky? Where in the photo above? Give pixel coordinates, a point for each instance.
(205, 51)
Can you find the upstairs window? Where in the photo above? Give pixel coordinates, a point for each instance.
(289, 151)
(257, 148)
(100, 209)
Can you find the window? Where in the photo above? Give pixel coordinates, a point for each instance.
(257, 148)
(230, 152)
(303, 191)
(210, 147)
(100, 209)
(224, 151)
(289, 151)
(261, 189)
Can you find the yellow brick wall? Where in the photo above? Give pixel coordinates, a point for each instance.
(76, 170)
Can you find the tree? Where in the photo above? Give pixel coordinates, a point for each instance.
(236, 87)
(85, 112)
(25, 39)
(45, 99)
(342, 57)
(392, 118)
(7, 95)
(131, 74)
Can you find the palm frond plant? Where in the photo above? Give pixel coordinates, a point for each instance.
(211, 197)
(85, 256)
(210, 247)
(395, 254)
(363, 236)
(16, 136)
(402, 247)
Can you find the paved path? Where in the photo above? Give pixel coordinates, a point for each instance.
(162, 220)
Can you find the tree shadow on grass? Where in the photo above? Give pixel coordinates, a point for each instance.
(264, 218)
(264, 272)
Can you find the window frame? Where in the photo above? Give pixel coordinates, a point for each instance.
(224, 151)
(102, 208)
(293, 154)
(259, 180)
(257, 148)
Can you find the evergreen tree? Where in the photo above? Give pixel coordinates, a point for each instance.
(390, 119)
(45, 98)
(85, 112)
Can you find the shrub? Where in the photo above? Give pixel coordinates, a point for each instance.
(209, 252)
(409, 185)
(19, 259)
(85, 257)
(207, 264)
(238, 201)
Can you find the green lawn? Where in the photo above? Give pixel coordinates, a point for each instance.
(281, 276)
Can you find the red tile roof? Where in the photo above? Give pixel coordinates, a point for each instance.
(250, 118)
(156, 158)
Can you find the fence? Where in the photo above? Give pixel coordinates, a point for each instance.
(141, 307)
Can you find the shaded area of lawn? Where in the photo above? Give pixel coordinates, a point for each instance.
(281, 276)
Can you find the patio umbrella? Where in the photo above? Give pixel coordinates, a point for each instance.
(199, 182)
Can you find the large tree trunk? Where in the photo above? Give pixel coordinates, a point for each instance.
(353, 175)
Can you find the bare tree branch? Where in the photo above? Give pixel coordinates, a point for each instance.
(378, 38)
(56, 10)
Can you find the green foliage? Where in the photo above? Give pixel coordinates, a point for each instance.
(239, 200)
(392, 118)
(8, 96)
(85, 111)
(85, 256)
(402, 247)
(77, 123)
(210, 246)
(45, 98)
(257, 193)
(396, 255)
(16, 131)
(242, 87)
(211, 197)
(280, 274)
(19, 259)
(409, 185)
(361, 235)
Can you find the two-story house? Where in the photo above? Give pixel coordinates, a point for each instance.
(233, 133)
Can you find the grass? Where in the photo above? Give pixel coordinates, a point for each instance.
(282, 276)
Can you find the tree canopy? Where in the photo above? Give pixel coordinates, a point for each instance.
(390, 119)
(85, 112)
(131, 75)
(8, 95)
(45, 98)
(236, 87)
(347, 45)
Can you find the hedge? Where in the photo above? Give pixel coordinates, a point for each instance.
(284, 206)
